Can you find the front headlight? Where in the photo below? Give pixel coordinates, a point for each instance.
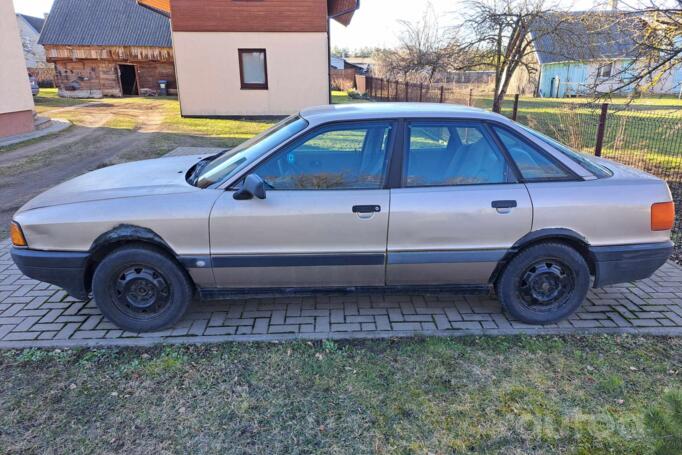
(17, 235)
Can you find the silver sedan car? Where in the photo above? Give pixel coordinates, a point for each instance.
(351, 197)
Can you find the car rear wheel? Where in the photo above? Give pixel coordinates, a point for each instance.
(544, 283)
(141, 289)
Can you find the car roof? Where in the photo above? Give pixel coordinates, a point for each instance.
(362, 111)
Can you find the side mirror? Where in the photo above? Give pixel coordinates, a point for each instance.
(253, 186)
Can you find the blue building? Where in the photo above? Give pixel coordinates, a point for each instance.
(581, 53)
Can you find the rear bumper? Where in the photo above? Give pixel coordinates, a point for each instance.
(624, 263)
(62, 268)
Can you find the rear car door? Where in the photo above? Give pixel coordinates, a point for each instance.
(324, 220)
(459, 208)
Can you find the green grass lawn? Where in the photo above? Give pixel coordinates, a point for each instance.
(343, 98)
(646, 133)
(651, 125)
(127, 113)
(408, 396)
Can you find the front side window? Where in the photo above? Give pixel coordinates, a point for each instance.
(227, 165)
(338, 157)
(253, 69)
(443, 154)
(533, 164)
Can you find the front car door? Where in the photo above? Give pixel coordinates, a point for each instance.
(459, 209)
(324, 220)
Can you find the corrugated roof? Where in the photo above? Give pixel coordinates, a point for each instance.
(583, 36)
(105, 23)
(35, 22)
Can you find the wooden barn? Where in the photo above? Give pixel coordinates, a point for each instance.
(108, 48)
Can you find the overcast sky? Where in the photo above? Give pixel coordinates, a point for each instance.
(375, 24)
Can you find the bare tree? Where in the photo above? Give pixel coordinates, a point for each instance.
(425, 50)
(656, 48)
(501, 34)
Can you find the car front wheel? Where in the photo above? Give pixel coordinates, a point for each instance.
(544, 283)
(140, 289)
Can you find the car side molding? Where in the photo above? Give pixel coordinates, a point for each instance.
(236, 293)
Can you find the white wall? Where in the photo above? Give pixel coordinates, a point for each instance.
(207, 66)
(34, 53)
(15, 90)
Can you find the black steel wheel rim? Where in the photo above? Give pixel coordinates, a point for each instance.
(546, 285)
(140, 291)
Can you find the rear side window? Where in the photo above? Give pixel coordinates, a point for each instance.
(533, 164)
(451, 154)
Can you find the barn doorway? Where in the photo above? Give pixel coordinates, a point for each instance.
(128, 79)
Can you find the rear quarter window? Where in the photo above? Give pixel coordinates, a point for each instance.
(581, 158)
(532, 163)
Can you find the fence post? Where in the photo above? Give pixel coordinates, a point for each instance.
(515, 110)
(397, 89)
(407, 91)
(601, 129)
(421, 89)
(442, 93)
(471, 97)
(388, 90)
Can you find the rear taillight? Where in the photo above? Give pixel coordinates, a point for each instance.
(662, 216)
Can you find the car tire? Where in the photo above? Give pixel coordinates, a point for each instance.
(544, 283)
(141, 289)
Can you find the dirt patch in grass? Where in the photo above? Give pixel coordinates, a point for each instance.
(483, 395)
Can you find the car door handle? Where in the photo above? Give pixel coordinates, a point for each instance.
(503, 204)
(366, 208)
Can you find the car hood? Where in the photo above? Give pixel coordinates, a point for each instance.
(139, 178)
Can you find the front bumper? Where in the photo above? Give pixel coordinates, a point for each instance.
(625, 263)
(65, 269)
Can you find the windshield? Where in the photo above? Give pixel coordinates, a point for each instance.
(232, 161)
(580, 158)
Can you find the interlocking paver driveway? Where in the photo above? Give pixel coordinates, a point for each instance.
(34, 314)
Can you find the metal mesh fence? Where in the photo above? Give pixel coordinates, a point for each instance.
(648, 138)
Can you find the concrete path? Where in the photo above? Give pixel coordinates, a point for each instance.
(56, 126)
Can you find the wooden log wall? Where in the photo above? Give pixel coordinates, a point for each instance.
(155, 54)
(93, 71)
(97, 78)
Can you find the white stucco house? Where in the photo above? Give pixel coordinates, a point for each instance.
(29, 30)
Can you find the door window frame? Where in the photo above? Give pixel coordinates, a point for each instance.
(397, 150)
(479, 124)
(320, 129)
